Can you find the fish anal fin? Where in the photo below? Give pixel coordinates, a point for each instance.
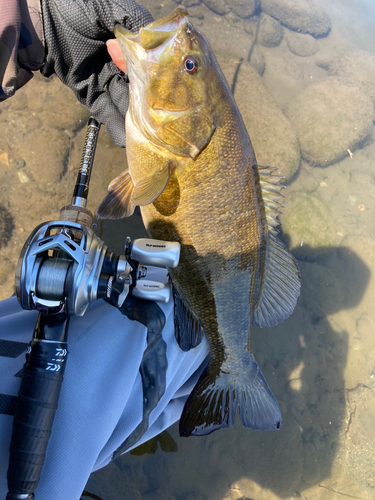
(188, 329)
(280, 286)
(148, 189)
(118, 202)
(213, 403)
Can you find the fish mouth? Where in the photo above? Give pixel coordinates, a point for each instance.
(153, 44)
(152, 35)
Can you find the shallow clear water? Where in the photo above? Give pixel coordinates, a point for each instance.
(320, 363)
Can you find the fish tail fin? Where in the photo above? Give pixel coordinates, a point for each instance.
(213, 403)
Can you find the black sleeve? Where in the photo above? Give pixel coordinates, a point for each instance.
(75, 35)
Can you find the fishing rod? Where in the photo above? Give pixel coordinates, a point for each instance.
(63, 267)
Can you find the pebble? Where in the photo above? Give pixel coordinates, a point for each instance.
(20, 162)
(4, 159)
(23, 176)
(295, 385)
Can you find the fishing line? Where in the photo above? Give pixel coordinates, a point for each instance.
(55, 262)
(69, 159)
(250, 53)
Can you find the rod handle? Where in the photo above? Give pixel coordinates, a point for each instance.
(36, 406)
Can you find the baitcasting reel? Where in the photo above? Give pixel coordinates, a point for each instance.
(64, 266)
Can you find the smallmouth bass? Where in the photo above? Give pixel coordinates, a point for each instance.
(193, 171)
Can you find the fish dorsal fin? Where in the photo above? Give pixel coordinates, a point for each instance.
(281, 281)
(118, 202)
(187, 327)
(189, 134)
(280, 287)
(271, 195)
(148, 189)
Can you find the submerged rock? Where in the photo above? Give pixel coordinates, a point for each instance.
(271, 133)
(330, 118)
(307, 222)
(243, 8)
(355, 68)
(189, 3)
(301, 45)
(303, 16)
(217, 6)
(257, 61)
(270, 31)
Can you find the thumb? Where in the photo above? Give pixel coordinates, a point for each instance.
(116, 54)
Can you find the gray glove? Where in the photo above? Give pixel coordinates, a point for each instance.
(75, 33)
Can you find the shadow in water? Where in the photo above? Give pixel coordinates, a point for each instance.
(303, 360)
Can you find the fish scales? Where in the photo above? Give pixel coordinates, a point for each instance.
(193, 171)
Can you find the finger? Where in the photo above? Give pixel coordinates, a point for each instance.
(116, 54)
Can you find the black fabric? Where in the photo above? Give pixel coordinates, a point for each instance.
(154, 364)
(11, 348)
(75, 33)
(7, 404)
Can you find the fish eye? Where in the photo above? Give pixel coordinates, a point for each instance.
(191, 65)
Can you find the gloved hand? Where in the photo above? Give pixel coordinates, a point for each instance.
(75, 33)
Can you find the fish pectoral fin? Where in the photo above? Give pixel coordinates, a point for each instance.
(118, 202)
(148, 189)
(213, 403)
(189, 134)
(187, 327)
(281, 285)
